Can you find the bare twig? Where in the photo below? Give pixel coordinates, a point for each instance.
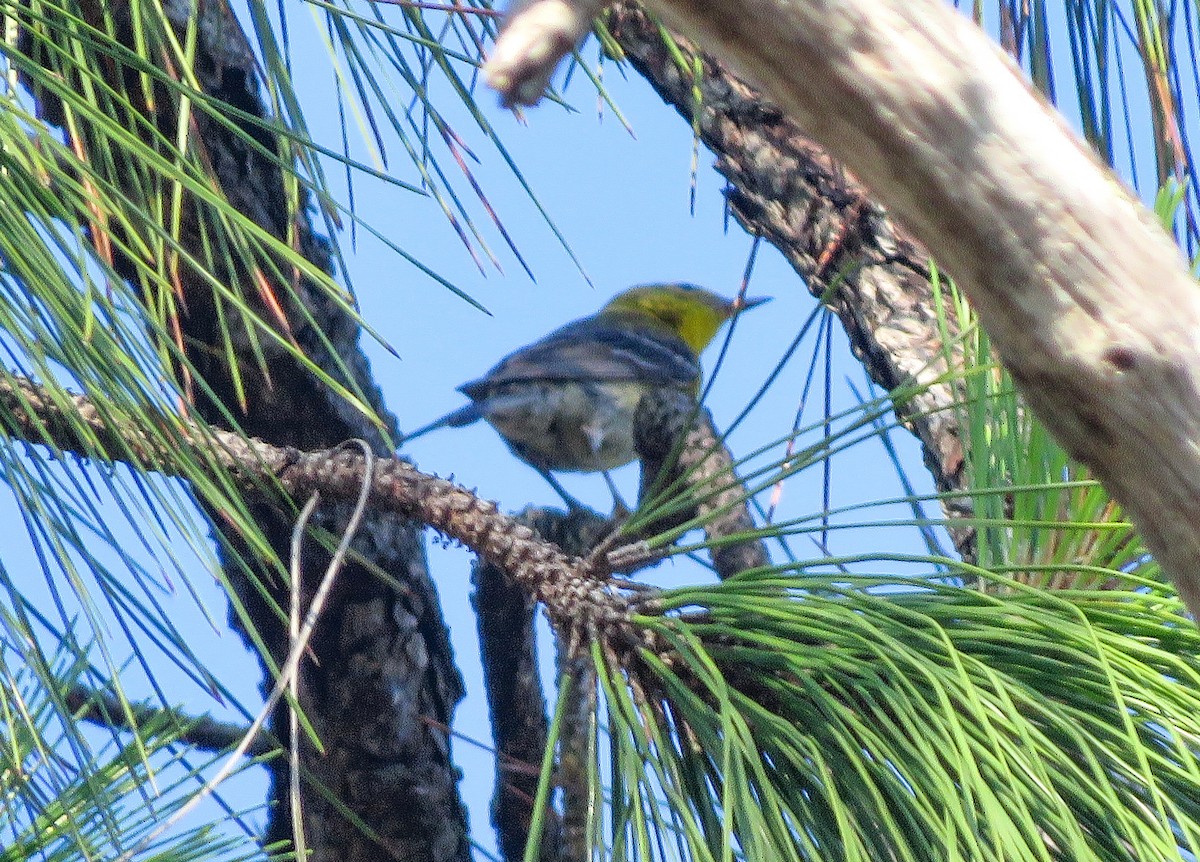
(200, 732)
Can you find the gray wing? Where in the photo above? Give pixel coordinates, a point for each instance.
(596, 350)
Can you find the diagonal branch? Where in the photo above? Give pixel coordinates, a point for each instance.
(679, 445)
(785, 188)
(573, 593)
(854, 258)
(1084, 295)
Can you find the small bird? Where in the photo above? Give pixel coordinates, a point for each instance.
(567, 401)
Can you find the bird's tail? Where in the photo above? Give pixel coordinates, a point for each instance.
(455, 419)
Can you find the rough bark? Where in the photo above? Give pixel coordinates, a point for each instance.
(383, 686)
(517, 705)
(578, 593)
(1086, 299)
(684, 459)
(788, 190)
(563, 561)
(504, 615)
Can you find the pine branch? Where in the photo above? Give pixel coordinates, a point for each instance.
(572, 591)
(1084, 296)
(202, 732)
(852, 256)
(576, 591)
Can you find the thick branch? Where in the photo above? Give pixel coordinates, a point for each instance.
(573, 594)
(1085, 297)
(853, 257)
(382, 690)
(505, 617)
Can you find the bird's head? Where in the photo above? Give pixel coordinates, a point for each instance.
(692, 313)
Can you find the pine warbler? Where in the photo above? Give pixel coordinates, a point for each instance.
(567, 401)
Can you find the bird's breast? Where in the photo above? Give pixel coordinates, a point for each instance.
(574, 426)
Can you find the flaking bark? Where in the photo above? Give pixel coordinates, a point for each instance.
(1085, 297)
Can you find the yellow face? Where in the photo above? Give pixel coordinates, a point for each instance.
(695, 314)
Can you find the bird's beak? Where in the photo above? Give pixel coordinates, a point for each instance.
(745, 304)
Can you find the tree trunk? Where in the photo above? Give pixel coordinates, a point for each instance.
(381, 686)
